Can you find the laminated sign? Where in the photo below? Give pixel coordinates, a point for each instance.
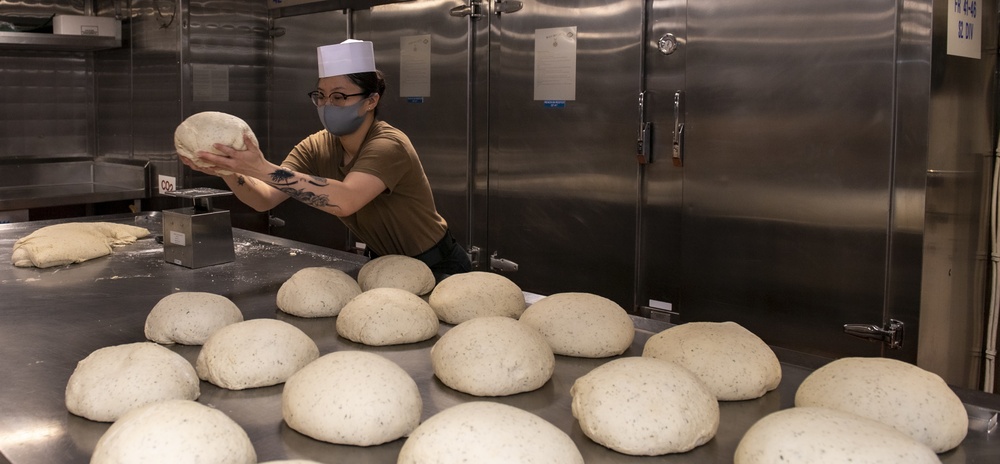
(964, 20)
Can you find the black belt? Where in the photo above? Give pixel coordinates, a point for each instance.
(436, 254)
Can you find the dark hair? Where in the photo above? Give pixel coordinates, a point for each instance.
(369, 82)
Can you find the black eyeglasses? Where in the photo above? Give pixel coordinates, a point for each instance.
(335, 98)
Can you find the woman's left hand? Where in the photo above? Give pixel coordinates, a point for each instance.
(249, 162)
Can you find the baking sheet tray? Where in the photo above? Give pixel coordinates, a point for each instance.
(52, 318)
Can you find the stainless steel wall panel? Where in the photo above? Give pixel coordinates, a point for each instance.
(562, 181)
(46, 97)
(156, 99)
(786, 174)
(954, 126)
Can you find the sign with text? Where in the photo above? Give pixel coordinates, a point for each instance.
(555, 64)
(964, 33)
(415, 66)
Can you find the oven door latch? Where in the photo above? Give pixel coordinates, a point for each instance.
(891, 334)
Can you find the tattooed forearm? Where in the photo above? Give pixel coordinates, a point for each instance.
(309, 198)
(282, 177)
(318, 181)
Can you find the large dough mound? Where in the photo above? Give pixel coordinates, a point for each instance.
(397, 271)
(174, 432)
(112, 380)
(581, 324)
(810, 435)
(387, 316)
(645, 407)
(901, 395)
(484, 432)
(72, 242)
(254, 353)
(317, 292)
(201, 130)
(493, 356)
(189, 318)
(731, 360)
(352, 398)
(461, 297)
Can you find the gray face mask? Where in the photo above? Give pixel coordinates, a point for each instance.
(341, 120)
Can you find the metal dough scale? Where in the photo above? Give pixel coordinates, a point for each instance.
(199, 235)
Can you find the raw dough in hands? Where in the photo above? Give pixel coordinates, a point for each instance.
(201, 130)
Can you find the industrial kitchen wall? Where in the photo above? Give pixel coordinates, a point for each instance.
(833, 167)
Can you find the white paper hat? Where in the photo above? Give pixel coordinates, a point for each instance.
(348, 57)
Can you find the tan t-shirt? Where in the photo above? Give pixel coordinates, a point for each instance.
(400, 220)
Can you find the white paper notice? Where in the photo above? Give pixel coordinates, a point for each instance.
(210, 82)
(415, 66)
(964, 33)
(555, 63)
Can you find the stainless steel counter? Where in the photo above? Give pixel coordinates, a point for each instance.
(52, 318)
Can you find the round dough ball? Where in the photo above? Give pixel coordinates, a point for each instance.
(201, 130)
(731, 360)
(317, 292)
(810, 435)
(387, 316)
(645, 407)
(189, 318)
(493, 356)
(397, 271)
(461, 297)
(254, 353)
(905, 397)
(175, 432)
(484, 432)
(112, 380)
(581, 324)
(352, 398)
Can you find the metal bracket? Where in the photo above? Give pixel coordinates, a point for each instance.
(890, 334)
(507, 6)
(473, 10)
(677, 146)
(501, 264)
(644, 144)
(474, 254)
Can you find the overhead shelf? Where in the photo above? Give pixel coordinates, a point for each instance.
(56, 42)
